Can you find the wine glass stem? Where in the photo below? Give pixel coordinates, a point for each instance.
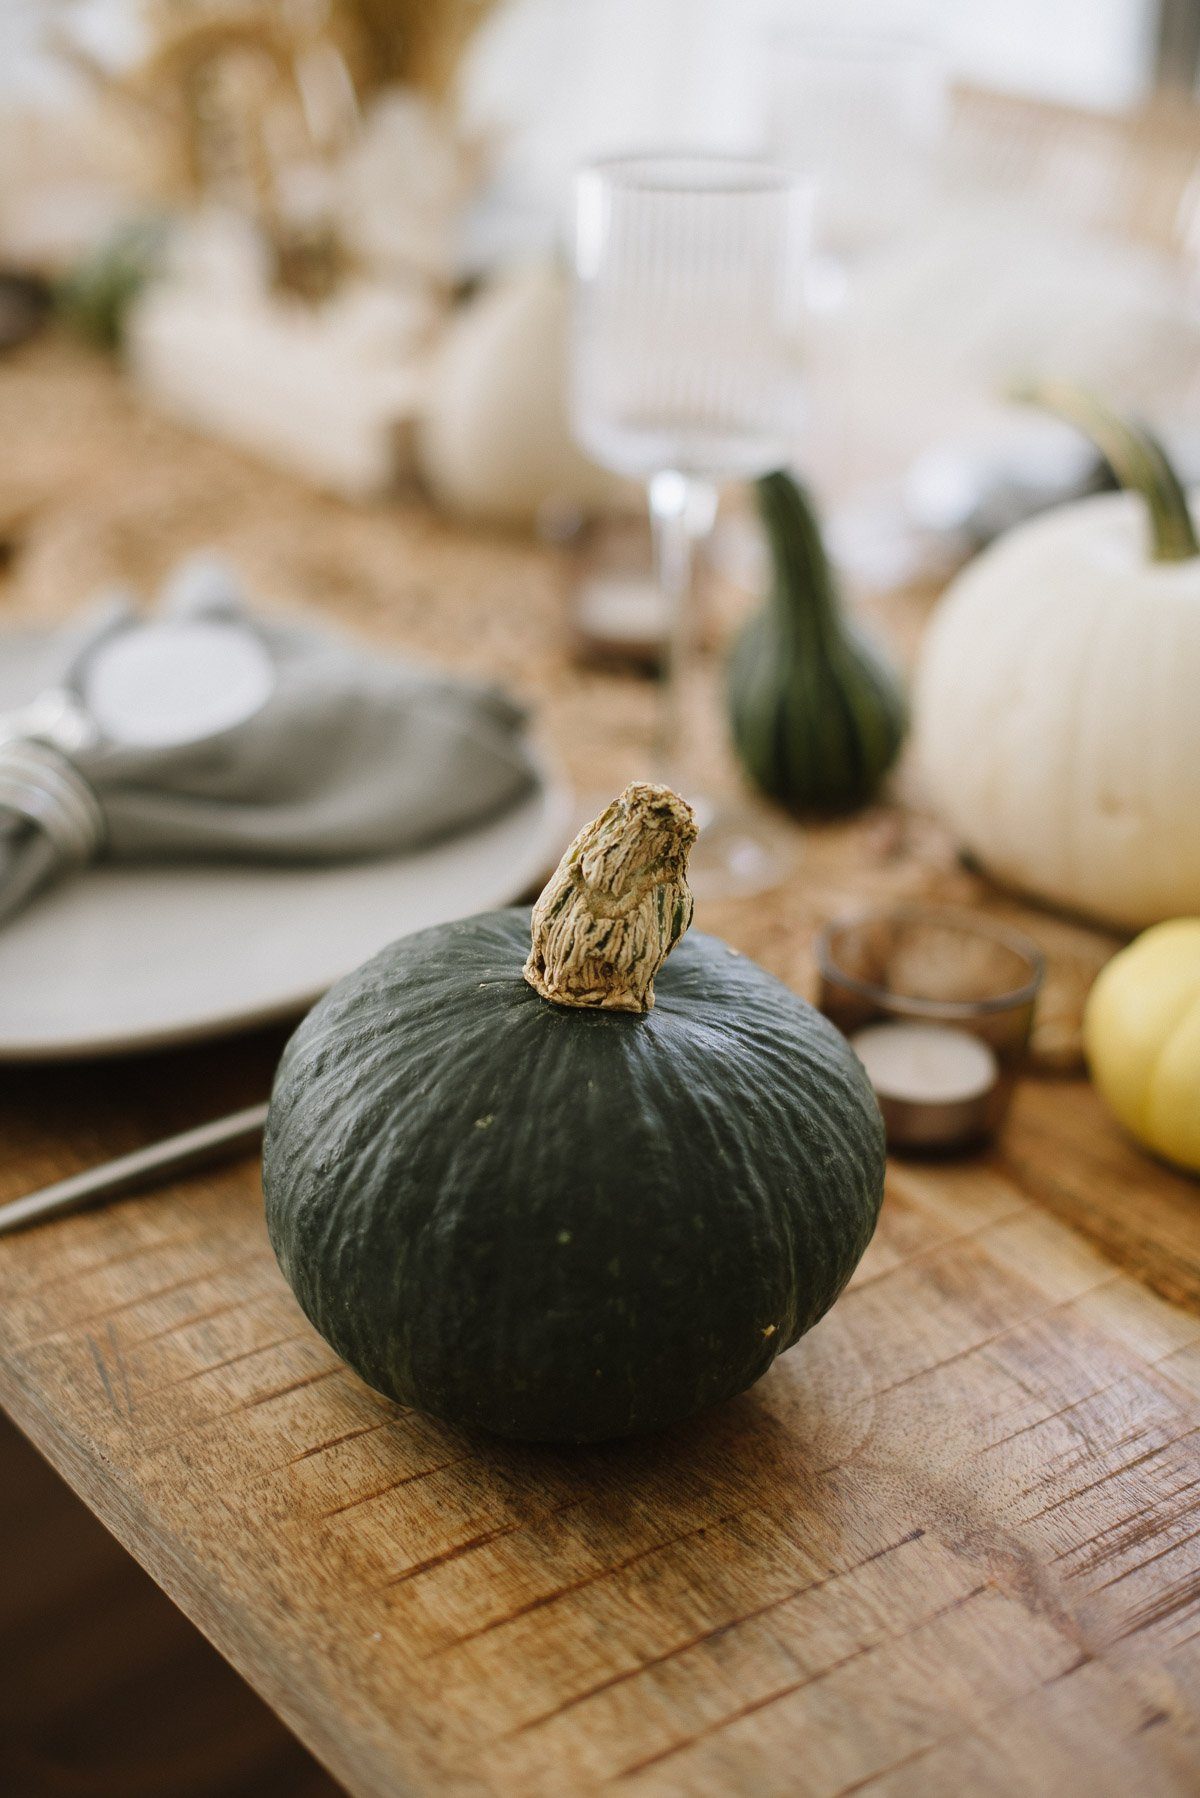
(682, 510)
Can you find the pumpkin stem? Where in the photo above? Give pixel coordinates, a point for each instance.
(804, 591)
(616, 905)
(1137, 459)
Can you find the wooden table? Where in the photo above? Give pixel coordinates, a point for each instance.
(949, 1545)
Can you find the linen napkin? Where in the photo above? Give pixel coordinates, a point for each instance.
(350, 755)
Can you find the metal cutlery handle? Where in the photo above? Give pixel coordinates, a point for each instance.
(41, 784)
(226, 1136)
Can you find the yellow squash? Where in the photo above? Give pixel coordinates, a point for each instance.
(1142, 1035)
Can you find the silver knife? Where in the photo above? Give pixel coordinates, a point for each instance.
(224, 1137)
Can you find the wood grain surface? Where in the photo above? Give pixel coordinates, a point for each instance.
(108, 1690)
(949, 1545)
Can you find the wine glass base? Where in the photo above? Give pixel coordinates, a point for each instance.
(733, 857)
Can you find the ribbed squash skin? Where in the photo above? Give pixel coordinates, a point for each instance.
(559, 1224)
(815, 735)
(817, 712)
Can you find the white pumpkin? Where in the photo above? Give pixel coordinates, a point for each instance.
(495, 442)
(1058, 697)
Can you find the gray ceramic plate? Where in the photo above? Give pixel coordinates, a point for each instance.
(119, 959)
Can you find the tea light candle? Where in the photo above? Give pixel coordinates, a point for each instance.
(934, 1083)
(174, 681)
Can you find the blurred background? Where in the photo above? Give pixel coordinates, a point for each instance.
(242, 192)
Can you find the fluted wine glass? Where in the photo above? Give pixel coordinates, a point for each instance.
(688, 282)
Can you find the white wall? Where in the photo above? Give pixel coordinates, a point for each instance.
(607, 71)
(1093, 53)
(567, 79)
(691, 55)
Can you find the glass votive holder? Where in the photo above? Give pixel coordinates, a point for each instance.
(938, 1005)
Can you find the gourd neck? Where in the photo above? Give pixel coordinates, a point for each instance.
(804, 602)
(616, 905)
(1138, 462)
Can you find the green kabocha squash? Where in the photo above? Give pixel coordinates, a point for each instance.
(817, 714)
(575, 1193)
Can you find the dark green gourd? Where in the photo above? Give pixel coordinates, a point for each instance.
(818, 715)
(577, 1191)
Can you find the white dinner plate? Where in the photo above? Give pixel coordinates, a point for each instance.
(124, 958)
